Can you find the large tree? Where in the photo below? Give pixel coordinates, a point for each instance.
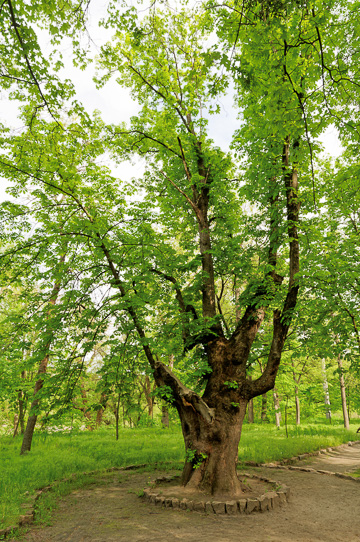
(157, 256)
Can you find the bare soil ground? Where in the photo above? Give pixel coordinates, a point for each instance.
(322, 508)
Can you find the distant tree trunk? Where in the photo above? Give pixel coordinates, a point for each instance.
(19, 419)
(16, 424)
(100, 412)
(296, 391)
(277, 408)
(164, 408)
(264, 407)
(117, 416)
(165, 416)
(32, 419)
(326, 391)
(250, 411)
(148, 396)
(297, 405)
(343, 392)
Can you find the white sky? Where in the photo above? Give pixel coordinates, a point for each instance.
(116, 105)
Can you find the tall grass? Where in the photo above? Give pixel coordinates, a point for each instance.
(56, 456)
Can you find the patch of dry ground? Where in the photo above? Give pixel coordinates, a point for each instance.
(322, 508)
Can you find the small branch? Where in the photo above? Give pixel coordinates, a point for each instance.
(194, 207)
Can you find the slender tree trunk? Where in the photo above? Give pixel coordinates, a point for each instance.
(22, 413)
(100, 412)
(297, 405)
(117, 417)
(326, 391)
(296, 391)
(165, 416)
(16, 425)
(148, 396)
(164, 408)
(343, 392)
(250, 410)
(277, 408)
(264, 407)
(32, 419)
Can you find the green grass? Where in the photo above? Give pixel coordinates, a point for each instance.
(56, 456)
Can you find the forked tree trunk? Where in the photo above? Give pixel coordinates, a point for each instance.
(212, 423)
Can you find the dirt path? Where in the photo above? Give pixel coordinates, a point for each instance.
(322, 508)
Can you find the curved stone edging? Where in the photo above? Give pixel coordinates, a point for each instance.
(29, 508)
(294, 459)
(267, 501)
(284, 465)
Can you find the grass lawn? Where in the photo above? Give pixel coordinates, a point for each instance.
(56, 456)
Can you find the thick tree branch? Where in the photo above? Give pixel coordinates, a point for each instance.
(183, 396)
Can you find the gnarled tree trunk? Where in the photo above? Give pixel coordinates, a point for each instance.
(212, 422)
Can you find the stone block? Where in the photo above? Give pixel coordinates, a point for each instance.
(175, 503)
(159, 501)
(252, 505)
(209, 508)
(152, 497)
(242, 505)
(218, 507)
(286, 489)
(183, 504)
(168, 502)
(231, 508)
(199, 506)
(274, 498)
(265, 503)
(282, 497)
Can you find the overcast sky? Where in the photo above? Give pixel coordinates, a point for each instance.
(116, 105)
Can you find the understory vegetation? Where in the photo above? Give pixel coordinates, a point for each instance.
(55, 456)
